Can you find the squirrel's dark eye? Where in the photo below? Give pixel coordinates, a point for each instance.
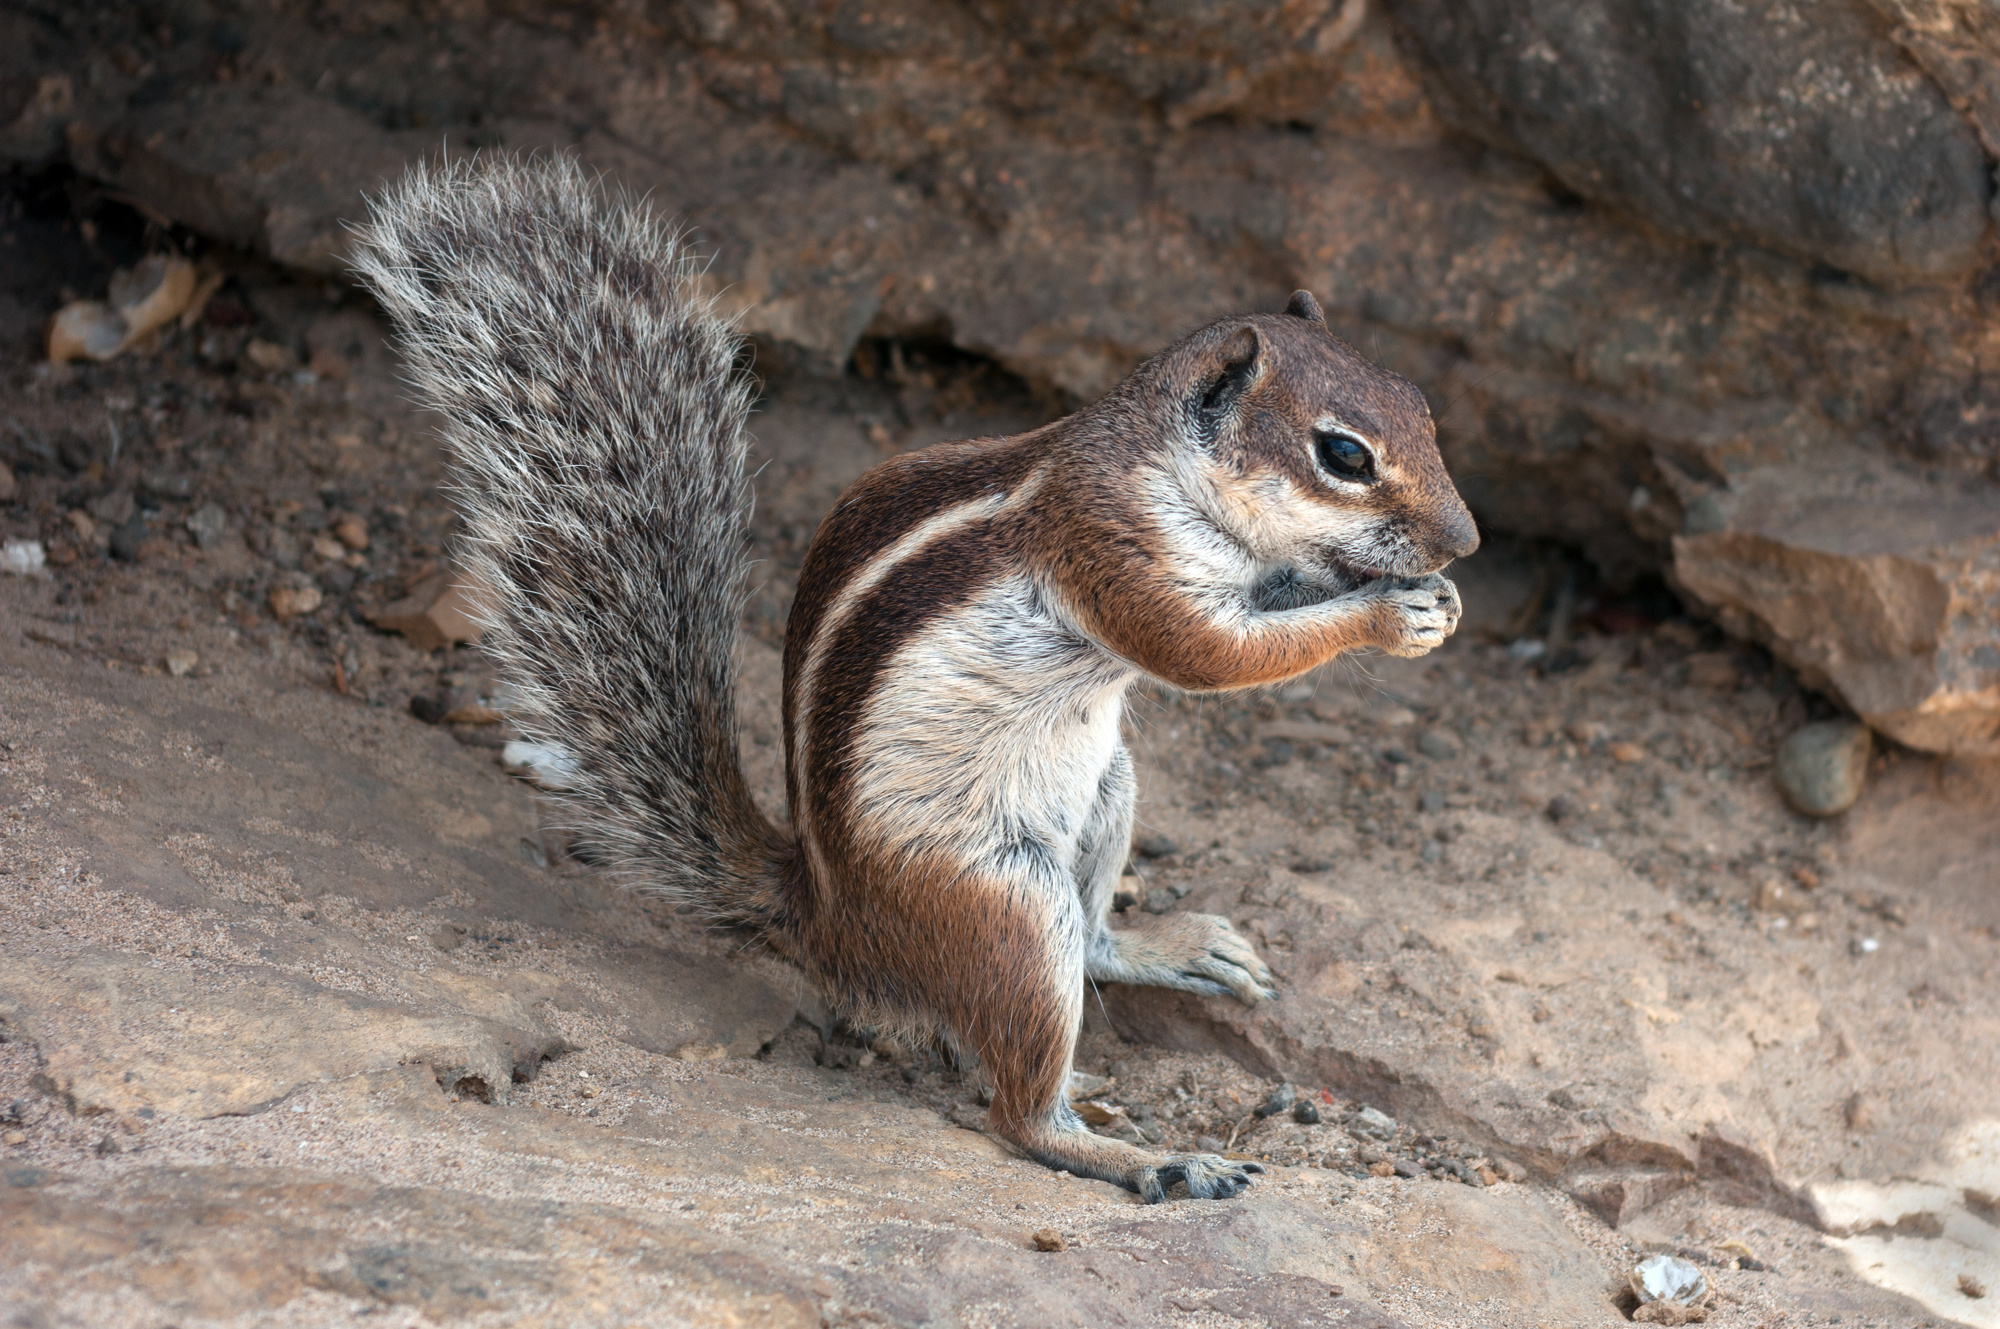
(1345, 456)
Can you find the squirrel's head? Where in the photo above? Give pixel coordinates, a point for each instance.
(1302, 453)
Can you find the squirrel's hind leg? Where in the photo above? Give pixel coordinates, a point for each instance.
(1023, 1021)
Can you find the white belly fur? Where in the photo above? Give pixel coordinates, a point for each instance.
(989, 738)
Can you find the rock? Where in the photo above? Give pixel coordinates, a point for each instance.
(290, 599)
(272, 168)
(352, 532)
(181, 663)
(1616, 1194)
(24, 558)
(1305, 1112)
(893, 1240)
(1437, 745)
(1372, 1122)
(1097, 1114)
(1876, 584)
(1611, 385)
(1281, 1098)
(697, 1007)
(1155, 845)
(1928, 1233)
(1822, 768)
(142, 298)
(128, 538)
(438, 612)
(86, 330)
(209, 525)
(1383, 983)
(152, 293)
(123, 1038)
(114, 508)
(269, 356)
(1713, 120)
(1158, 900)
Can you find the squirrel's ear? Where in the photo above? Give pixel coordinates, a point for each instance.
(1235, 369)
(1302, 305)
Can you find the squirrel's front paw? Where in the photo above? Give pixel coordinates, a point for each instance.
(1415, 614)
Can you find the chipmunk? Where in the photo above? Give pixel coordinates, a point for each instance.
(1246, 505)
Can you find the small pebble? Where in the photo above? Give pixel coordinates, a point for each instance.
(1208, 1144)
(24, 558)
(1626, 752)
(1668, 1278)
(1281, 1098)
(1048, 1239)
(288, 602)
(1971, 1287)
(1822, 768)
(1370, 1121)
(181, 663)
(1155, 846)
(1436, 745)
(352, 532)
(1305, 1112)
(1158, 900)
(1122, 900)
(1381, 1169)
(17, 1137)
(269, 356)
(208, 524)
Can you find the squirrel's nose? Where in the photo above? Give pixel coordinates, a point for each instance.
(1465, 537)
(1458, 537)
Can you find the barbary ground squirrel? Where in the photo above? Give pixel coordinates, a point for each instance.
(1249, 503)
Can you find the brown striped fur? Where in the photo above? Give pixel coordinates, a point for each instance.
(966, 625)
(953, 894)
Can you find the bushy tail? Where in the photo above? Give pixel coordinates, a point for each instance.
(594, 414)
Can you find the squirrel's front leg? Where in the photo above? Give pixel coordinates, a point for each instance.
(1215, 643)
(1189, 952)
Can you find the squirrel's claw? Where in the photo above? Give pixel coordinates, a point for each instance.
(1206, 1177)
(1232, 962)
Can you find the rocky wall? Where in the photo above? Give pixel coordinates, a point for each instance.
(1702, 288)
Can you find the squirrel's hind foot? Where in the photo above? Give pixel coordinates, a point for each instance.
(1201, 1176)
